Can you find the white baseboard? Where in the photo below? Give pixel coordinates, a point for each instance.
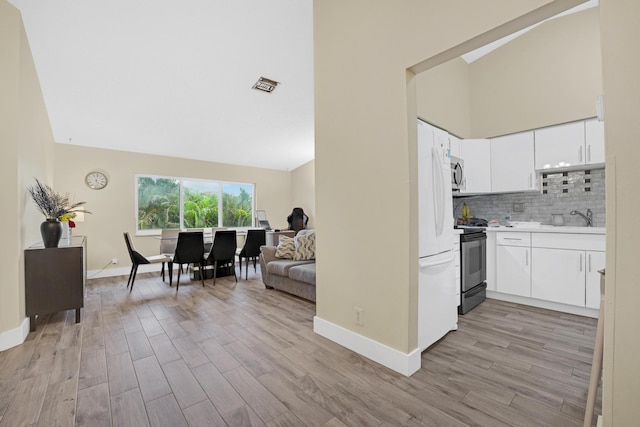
(565, 308)
(405, 364)
(123, 271)
(14, 337)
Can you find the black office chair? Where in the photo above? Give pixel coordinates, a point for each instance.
(189, 250)
(137, 259)
(223, 252)
(297, 220)
(251, 249)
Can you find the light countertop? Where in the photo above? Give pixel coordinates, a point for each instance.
(549, 229)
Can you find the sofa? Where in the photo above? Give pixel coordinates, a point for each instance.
(290, 272)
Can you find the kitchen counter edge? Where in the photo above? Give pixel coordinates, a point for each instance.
(550, 229)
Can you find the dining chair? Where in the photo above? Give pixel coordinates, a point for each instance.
(137, 259)
(189, 250)
(168, 241)
(214, 230)
(251, 249)
(223, 252)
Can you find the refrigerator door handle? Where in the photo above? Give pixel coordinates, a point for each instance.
(438, 178)
(436, 263)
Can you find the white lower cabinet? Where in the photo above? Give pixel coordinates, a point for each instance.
(491, 262)
(555, 267)
(595, 262)
(513, 270)
(558, 275)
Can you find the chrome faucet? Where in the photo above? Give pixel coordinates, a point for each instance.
(588, 217)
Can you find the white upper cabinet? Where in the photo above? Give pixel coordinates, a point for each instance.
(476, 154)
(570, 145)
(512, 163)
(560, 146)
(594, 141)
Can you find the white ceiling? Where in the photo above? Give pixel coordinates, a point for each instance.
(174, 78)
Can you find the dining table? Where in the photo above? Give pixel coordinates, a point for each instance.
(241, 235)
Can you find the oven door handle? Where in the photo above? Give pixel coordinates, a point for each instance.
(475, 290)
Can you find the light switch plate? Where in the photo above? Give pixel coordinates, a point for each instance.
(518, 207)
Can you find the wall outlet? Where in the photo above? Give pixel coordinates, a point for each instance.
(114, 260)
(358, 313)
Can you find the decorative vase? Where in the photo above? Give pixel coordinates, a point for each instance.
(51, 230)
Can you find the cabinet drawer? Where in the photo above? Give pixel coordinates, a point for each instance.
(516, 238)
(587, 242)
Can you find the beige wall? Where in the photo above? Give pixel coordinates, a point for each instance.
(303, 190)
(443, 97)
(26, 140)
(365, 154)
(621, 68)
(29, 152)
(113, 209)
(551, 74)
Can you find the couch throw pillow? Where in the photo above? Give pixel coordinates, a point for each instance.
(286, 247)
(305, 247)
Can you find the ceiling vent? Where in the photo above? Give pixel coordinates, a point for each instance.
(266, 85)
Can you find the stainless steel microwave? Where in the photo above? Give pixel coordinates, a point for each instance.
(457, 174)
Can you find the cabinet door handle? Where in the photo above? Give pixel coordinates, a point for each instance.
(580, 154)
(526, 257)
(589, 262)
(580, 262)
(588, 153)
(512, 238)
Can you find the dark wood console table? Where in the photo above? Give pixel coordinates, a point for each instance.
(55, 278)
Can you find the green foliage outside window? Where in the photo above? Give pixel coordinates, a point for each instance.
(237, 209)
(200, 209)
(159, 204)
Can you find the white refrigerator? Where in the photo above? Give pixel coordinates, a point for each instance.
(437, 295)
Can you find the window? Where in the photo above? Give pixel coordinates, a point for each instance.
(165, 202)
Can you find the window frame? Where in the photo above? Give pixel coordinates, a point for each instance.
(181, 180)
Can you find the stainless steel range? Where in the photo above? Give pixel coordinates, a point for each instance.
(473, 268)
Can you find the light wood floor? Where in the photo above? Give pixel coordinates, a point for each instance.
(242, 355)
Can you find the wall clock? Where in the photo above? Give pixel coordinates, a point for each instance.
(96, 180)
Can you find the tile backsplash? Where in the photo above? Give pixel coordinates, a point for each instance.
(561, 193)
